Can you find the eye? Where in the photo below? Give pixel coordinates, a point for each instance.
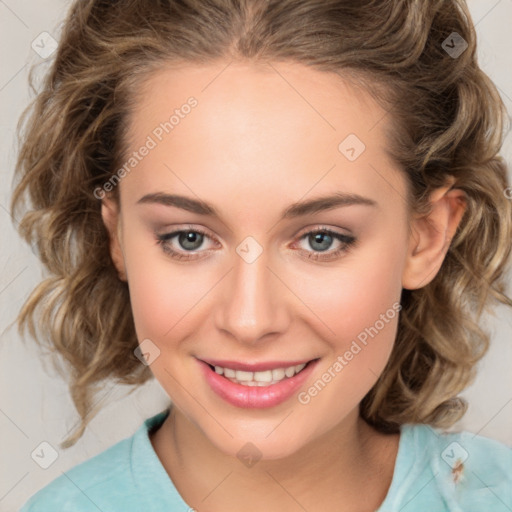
(189, 239)
(321, 240)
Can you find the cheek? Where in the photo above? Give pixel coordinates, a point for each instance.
(162, 295)
(348, 300)
(360, 305)
(363, 314)
(355, 296)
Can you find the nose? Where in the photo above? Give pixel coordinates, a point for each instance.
(252, 302)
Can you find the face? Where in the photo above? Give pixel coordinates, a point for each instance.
(232, 274)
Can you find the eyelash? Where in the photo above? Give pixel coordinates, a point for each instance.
(347, 243)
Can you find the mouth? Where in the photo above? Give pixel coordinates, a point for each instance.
(267, 385)
(267, 374)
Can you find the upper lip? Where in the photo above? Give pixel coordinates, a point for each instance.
(253, 367)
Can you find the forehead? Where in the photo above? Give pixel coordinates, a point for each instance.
(264, 97)
(273, 129)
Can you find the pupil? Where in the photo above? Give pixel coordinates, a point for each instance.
(319, 237)
(190, 238)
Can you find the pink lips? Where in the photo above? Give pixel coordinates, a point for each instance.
(254, 396)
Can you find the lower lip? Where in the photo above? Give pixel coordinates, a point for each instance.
(255, 397)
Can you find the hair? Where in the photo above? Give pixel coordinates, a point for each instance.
(446, 120)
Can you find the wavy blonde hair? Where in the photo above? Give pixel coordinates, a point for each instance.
(447, 121)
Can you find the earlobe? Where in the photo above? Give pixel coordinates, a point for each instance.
(112, 220)
(431, 236)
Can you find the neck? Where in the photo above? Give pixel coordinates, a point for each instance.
(349, 467)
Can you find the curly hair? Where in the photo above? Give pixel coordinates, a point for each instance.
(447, 119)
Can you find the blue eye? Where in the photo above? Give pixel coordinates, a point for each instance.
(190, 240)
(321, 240)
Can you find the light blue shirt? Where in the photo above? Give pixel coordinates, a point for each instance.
(428, 476)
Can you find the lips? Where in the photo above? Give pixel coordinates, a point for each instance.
(257, 396)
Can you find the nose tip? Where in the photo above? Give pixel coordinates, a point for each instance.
(252, 304)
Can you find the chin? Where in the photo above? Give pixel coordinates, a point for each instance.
(267, 442)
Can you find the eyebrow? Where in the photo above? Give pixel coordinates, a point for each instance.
(298, 209)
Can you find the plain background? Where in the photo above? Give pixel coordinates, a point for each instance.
(35, 406)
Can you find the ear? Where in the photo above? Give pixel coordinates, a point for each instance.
(431, 236)
(112, 220)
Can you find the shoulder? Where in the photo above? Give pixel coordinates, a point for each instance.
(103, 482)
(467, 471)
(76, 488)
(465, 450)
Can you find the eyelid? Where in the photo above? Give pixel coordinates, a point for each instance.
(346, 241)
(322, 227)
(164, 239)
(175, 230)
(306, 230)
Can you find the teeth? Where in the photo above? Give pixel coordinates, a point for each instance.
(264, 378)
(290, 372)
(241, 375)
(252, 383)
(228, 372)
(278, 374)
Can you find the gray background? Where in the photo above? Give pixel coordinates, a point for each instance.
(34, 402)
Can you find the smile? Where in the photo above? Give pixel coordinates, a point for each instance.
(268, 385)
(263, 378)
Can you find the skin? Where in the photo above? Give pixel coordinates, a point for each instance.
(254, 145)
